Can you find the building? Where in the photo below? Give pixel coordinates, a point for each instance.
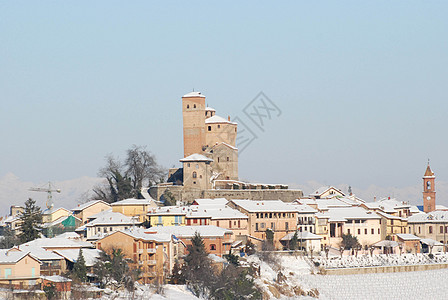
(107, 223)
(410, 242)
(51, 263)
(217, 240)
(432, 225)
(153, 254)
(275, 215)
(429, 190)
(18, 269)
(51, 214)
(84, 211)
(134, 207)
(363, 224)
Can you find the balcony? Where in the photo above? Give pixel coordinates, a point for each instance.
(151, 250)
(140, 251)
(152, 262)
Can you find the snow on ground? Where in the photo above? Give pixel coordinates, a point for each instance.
(404, 285)
(170, 292)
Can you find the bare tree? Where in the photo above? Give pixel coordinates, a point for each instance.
(126, 179)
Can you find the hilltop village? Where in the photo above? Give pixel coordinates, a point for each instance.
(229, 215)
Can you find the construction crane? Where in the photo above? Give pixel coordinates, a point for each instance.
(48, 190)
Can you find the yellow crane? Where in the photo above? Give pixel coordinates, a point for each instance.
(49, 190)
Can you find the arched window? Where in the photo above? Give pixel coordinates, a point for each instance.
(195, 175)
(194, 106)
(428, 185)
(212, 247)
(188, 106)
(209, 128)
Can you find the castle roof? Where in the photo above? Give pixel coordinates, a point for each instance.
(428, 172)
(193, 95)
(196, 157)
(209, 109)
(217, 119)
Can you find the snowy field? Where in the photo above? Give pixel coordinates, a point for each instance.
(405, 285)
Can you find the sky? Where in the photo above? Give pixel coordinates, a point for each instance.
(360, 87)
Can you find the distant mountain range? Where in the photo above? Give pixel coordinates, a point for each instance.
(14, 191)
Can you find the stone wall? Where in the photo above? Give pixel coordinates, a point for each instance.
(188, 196)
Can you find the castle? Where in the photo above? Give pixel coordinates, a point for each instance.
(210, 162)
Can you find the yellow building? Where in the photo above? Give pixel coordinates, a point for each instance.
(392, 225)
(84, 211)
(134, 207)
(52, 214)
(167, 216)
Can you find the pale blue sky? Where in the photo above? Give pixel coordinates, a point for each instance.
(362, 85)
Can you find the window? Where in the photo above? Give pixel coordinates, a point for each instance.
(212, 247)
(217, 223)
(441, 229)
(188, 106)
(219, 126)
(286, 225)
(218, 159)
(194, 106)
(262, 225)
(428, 185)
(359, 231)
(195, 175)
(197, 166)
(7, 272)
(209, 128)
(239, 224)
(230, 224)
(348, 231)
(272, 225)
(378, 231)
(228, 159)
(430, 229)
(419, 230)
(256, 226)
(373, 231)
(365, 231)
(188, 165)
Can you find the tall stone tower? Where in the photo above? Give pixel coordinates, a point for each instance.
(429, 190)
(193, 113)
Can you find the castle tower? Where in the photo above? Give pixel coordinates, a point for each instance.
(193, 113)
(429, 190)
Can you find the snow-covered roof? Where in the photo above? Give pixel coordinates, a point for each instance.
(431, 242)
(112, 218)
(218, 119)
(407, 237)
(386, 243)
(305, 235)
(389, 216)
(216, 259)
(56, 278)
(218, 213)
(302, 208)
(88, 204)
(326, 203)
(90, 255)
(8, 256)
(224, 144)
(387, 205)
(193, 95)
(209, 109)
(431, 217)
(139, 233)
(102, 213)
(414, 209)
(324, 189)
(441, 207)
(49, 211)
(343, 214)
(68, 235)
(40, 253)
(57, 243)
(189, 231)
(196, 157)
(221, 202)
(132, 201)
(264, 206)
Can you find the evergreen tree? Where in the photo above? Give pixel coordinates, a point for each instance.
(79, 268)
(177, 277)
(31, 222)
(293, 241)
(270, 236)
(198, 270)
(349, 241)
(9, 239)
(232, 258)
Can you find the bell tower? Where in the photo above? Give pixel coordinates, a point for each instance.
(193, 112)
(429, 190)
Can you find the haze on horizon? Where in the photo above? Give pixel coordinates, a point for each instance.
(361, 88)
